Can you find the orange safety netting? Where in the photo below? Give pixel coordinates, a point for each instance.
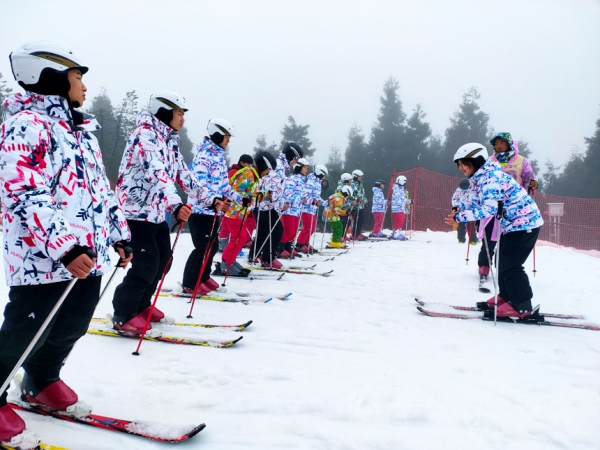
(570, 222)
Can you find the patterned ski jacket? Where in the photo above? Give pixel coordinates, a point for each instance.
(335, 207)
(399, 199)
(359, 194)
(150, 167)
(272, 185)
(293, 194)
(54, 191)
(312, 193)
(210, 170)
(244, 181)
(462, 196)
(490, 185)
(379, 201)
(517, 167)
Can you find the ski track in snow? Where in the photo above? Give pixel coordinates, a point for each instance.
(349, 363)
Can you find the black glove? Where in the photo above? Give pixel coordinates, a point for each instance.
(126, 246)
(246, 201)
(214, 203)
(75, 252)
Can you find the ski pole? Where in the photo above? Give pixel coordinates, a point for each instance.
(211, 241)
(469, 240)
(497, 262)
(270, 232)
(39, 333)
(128, 251)
(313, 229)
(162, 279)
(236, 241)
(295, 241)
(324, 231)
(531, 192)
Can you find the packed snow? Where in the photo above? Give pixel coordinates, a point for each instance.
(347, 362)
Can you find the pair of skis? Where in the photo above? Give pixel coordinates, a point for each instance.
(479, 314)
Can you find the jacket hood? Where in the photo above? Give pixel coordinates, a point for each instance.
(147, 119)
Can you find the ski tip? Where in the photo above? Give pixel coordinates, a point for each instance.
(268, 300)
(287, 295)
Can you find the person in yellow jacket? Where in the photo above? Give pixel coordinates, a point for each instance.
(336, 207)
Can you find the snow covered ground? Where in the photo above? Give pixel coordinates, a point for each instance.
(349, 363)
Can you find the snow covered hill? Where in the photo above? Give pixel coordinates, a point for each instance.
(349, 363)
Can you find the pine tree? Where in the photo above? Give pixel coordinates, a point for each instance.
(416, 145)
(356, 152)
(5, 91)
(186, 146)
(335, 163)
(293, 132)
(468, 124)
(102, 108)
(591, 186)
(262, 146)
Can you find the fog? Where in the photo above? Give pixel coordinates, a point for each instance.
(536, 63)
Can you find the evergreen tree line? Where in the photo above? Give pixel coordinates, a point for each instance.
(396, 142)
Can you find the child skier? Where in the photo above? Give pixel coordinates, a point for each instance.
(400, 201)
(496, 193)
(507, 155)
(60, 220)
(378, 208)
(312, 194)
(290, 218)
(146, 188)
(210, 170)
(244, 182)
(359, 200)
(463, 195)
(336, 207)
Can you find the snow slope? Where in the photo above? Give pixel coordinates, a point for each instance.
(349, 363)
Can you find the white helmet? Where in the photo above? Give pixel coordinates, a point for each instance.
(321, 170)
(347, 191)
(472, 150)
(221, 126)
(357, 173)
(302, 162)
(346, 177)
(29, 60)
(401, 180)
(168, 100)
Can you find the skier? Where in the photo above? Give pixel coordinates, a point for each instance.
(270, 192)
(497, 193)
(293, 196)
(360, 198)
(345, 180)
(378, 208)
(507, 155)
(312, 193)
(60, 218)
(210, 170)
(146, 188)
(463, 194)
(336, 208)
(400, 201)
(224, 232)
(244, 182)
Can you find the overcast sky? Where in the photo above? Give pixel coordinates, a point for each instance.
(536, 63)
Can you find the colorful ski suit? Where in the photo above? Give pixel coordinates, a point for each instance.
(399, 199)
(54, 191)
(379, 201)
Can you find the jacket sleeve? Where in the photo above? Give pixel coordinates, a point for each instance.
(485, 201)
(27, 189)
(188, 183)
(527, 175)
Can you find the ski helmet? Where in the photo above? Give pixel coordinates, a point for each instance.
(292, 151)
(302, 162)
(379, 182)
(465, 184)
(345, 177)
(401, 180)
(321, 170)
(347, 191)
(168, 100)
(42, 67)
(265, 160)
(219, 126)
(473, 151)
(357, 173)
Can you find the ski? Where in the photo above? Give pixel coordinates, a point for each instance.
(334, 254)
(171, 435)
(167, 339)
(482, 316)
(301, 267)
(40, 446)
(245, 301)
(297, 272)
(474, 308)
(483, 279)
(240, 327)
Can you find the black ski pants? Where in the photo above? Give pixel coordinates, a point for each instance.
(27, 309)
(357, 221)
(266, 221)
(482, 260)
(204, 229)
(151, 245)
(513, 282)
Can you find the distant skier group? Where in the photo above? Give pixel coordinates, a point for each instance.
(60, 218)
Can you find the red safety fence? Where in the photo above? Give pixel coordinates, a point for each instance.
(571, 222)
